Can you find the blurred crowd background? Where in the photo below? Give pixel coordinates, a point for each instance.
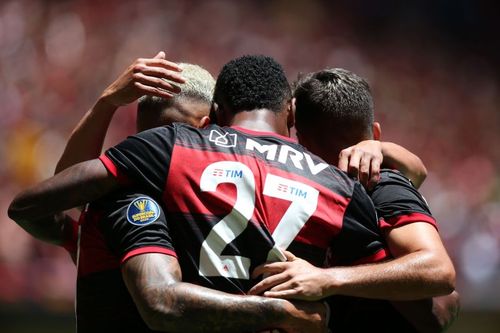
(432, 65)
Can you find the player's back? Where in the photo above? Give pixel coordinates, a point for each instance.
(245, 194)
(233, 197)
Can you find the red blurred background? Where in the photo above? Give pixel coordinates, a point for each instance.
(432, 65)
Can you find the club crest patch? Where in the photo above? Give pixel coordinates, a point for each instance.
(143, 211)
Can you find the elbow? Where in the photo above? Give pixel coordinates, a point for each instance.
(419, 175)
(159, 315)
(11, 212)
(444, 277)
(422, 174)
(449, 280)
(446, 286)
(438, 273)
(21, 207)
(15, 211)
(19, 211)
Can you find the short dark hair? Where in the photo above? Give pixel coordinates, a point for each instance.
(252, 82)
(336, 99)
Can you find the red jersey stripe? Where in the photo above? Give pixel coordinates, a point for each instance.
(400, 220)
(148, 249)
(113, 169)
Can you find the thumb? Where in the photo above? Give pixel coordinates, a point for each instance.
(289, 256)
(160, 55)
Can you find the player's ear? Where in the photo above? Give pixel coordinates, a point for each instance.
(377, 131)
(204, 122)
(291, 113)
(213, 113)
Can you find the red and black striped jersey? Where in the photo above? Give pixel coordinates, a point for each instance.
(233, 197)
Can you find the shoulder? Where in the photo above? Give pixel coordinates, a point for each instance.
(391, 179)
(395, 190)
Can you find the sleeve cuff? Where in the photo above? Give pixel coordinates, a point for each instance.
(148, 249)
(400, 220)
(113, 169)
(377, 256)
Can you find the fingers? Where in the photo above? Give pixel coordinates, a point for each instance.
(289, 255)
(364, 169)
(158, 72)
(269, 268)
(287, 294)
(272, 281)
(160, 55)
(344, 159)
(354, 161)
(374, 173)
(156, 82)
(159, 62)
(362, 161)
(153, 91)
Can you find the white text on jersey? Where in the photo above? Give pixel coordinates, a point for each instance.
(285, 153)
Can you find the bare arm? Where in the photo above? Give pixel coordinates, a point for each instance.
(87, 138)
(51, 229)
(74, 186)
(405, 161)
(167, 304)
(145, 76)
(365, 159)
(421, 269)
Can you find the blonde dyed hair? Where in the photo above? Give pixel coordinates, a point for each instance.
(199, 85)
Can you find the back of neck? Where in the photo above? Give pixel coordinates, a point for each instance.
(262, 120)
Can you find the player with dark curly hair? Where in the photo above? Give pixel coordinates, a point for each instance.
(242, 85)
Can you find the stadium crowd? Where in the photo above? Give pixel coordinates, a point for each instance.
(432, 94)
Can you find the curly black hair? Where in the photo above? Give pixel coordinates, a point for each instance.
(252, 82)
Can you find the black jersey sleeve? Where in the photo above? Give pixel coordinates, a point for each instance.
(398, 202)
(133, 223)
(143, 159)
(359, 240)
